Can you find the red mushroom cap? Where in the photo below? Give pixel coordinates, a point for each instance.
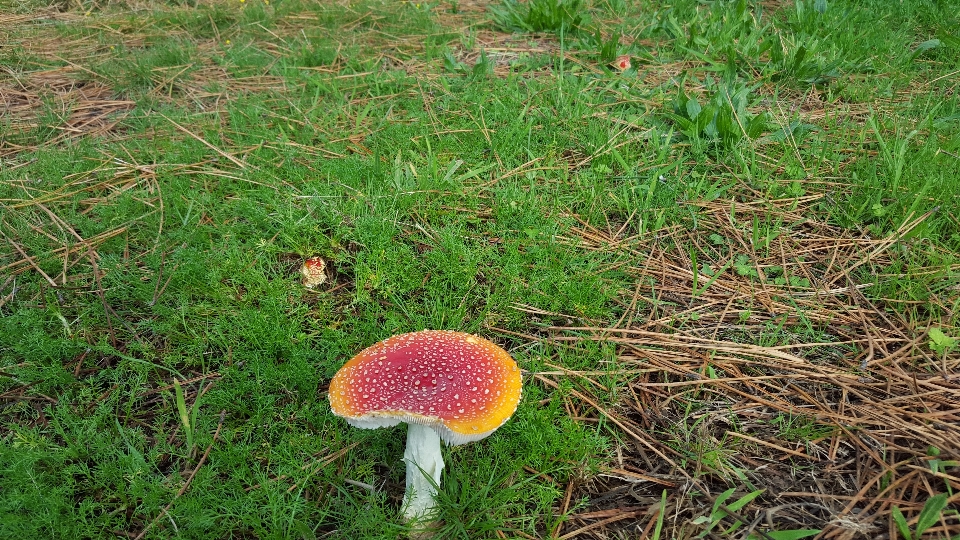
(313, 272)
(463, 386)
(622, 62)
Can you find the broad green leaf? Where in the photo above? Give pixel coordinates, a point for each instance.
(693, 108)
(944, 121)
(711, 373)
(720, 513)
(931, 512)
(181, 404)
(745, 500)
(940, 338)
(901, 523)
(949, 40)
(923, 47)
(939, 341)
(722, 498)
(798, 58)
(451, 169)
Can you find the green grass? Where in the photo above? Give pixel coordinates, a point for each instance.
(539, 15)
(441, 197)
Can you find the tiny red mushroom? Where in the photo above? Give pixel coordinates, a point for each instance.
(445, 385)
(622, 62)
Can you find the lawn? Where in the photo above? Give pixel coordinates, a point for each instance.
(729, 271)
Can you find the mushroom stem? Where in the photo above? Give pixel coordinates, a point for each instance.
(423, 459)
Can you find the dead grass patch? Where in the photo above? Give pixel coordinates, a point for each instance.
(775, 373)
(10, 20)
(57, 105)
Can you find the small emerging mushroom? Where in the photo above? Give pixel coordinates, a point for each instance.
(445, 385)
(313, 272)
(622, 63)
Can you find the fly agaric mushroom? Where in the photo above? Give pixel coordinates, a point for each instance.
(622, 63)
(313, 272)
(445, 385)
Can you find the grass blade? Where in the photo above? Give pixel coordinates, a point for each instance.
(663, 511)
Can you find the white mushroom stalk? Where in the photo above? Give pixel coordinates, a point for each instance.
(447, 386)
(424, 464)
